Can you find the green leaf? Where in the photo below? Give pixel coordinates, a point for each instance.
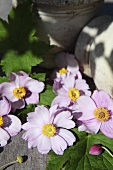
(77, 157)
(20, 47)
(47, 96)
(38, 76)
(16, 33)
(13, 62)
(4, 79)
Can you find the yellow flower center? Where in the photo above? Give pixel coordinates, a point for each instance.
(1, 121)
(63, 70)
(74, 94)
(19, 92)
(101, 114)
(49, 130)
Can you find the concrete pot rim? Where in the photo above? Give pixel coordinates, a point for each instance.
(65, 2)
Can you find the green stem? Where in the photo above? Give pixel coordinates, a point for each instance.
(1, 168)
(107, 151)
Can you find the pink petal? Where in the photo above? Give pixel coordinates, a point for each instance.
(68, 136)
(32, 99)
(22, 73)
(102, 99)
(72, 64)
(18, 79)
(62, 101)
(15, 126)
(63, 119)
(53, 109)
(107, 128)
(44, 144)
(6, 89)
(81, 84)
(32, 144)
(4, 137)
(92, 125)
(58, 144)
(34, 85)
(87, 107)
(62, 92)
(69, 81)
(27, 126)
(32, 134)
(43, 114)
(5, 106)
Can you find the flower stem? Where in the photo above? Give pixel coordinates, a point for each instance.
(107, 151)
(10, 163)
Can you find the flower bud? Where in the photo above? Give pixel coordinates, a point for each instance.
(20, 159)
(95, 150)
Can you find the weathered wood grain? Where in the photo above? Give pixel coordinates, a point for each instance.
(18, 146)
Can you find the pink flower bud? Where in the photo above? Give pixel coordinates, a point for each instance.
(95, 150)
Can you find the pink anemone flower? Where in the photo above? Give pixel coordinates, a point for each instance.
(70, 91)
(66, 63)
(10, 125)
(47, 129)
(96, 113)
(21, 89)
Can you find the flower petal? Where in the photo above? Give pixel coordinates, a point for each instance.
(27, 126)
(58, 144)
(40, 117)
(69, 81)
(15, 125)
(81, 84)
(92, 125)
(6, 89)
(62, 101)
(4, 137)
(87, 107)
(5, 106)
(102, 99)
(63, 119)
(68, 136)
(44, 144)
(34, 85)
(107, 128)
(32, 134)
(33, 98)
(72, 64)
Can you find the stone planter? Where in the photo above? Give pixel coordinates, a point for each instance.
(60, 22)
(95, 53)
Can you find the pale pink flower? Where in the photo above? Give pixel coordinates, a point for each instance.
(70, 91)
(21, 89)
(67, 63)
(96, 113)
(47, 129)
(10, 125)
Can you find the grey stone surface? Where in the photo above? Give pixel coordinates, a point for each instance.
(34, 160)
